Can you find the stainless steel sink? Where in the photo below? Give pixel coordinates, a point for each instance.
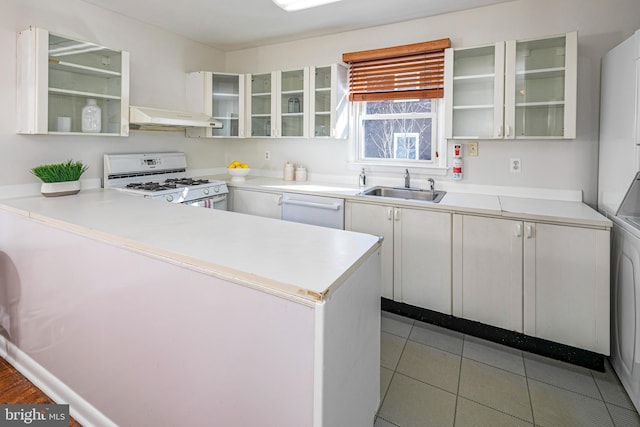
(406, 193)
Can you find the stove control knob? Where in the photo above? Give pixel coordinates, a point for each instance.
(205, 191)
(169, 198)
(216, 188)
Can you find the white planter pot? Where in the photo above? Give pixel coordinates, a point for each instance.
(54, 189)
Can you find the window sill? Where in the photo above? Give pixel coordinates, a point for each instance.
(399, 167)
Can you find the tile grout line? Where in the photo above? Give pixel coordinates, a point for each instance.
(393, 374)
(526, 378)
(484, 404)
(455, 408)
(613, 422)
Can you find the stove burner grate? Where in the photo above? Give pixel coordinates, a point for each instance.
(186, 181)
(151, 186)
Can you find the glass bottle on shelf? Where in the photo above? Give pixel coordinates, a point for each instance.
(91, 117)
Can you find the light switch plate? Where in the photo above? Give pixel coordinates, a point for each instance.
(472, 149)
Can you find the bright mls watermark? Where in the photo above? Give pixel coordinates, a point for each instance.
(34, 415)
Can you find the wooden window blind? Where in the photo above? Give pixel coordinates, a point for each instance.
(401, 72)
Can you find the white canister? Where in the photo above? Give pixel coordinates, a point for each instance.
(288, 171)
(301, 173)
(91, 117)
(64, 124)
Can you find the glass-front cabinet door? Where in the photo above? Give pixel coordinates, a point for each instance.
(512, 90)
(221, 96)
(541, 86)
(329, 101)
(293, 102)
(227, 104)
(474, 99)
(58, 77)
(262, 106)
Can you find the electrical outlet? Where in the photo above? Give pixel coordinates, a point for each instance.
(472, 149)
(267, 155)
(515, 165)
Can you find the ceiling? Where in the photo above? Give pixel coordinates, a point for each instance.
(239, 24)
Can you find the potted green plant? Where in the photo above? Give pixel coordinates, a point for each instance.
(60, 179)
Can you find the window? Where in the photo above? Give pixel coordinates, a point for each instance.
(396, 93)
(399, 133)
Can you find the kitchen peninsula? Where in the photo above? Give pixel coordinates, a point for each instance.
(140, 312)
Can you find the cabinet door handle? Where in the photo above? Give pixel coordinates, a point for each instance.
(280, 201)
(508, 131)
(529, 231)
(389, 213)
(396, 214)
(518, 230)
(500, 130)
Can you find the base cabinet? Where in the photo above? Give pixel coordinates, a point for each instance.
(487, 271)
(567, 286)
(416, 252)
(257, 203)
(544, 280)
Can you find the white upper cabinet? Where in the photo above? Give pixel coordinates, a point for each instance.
(292, 106)
(261, 104)
(309, 102)
(512, 90)
(221, 96)
(540, 87)
(278, 103)
(58, 76)
(329, 101)
(474, 95)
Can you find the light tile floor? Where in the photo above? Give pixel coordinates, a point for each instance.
(430, 376)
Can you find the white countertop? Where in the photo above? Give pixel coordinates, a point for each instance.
(296, 261)
(531, 209)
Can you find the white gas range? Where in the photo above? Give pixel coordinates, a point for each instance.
(162, 176)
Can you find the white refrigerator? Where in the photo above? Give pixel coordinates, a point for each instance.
(619, 200)
(619, 123)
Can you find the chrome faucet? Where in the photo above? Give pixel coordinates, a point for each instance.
(432, 184)
(407, 179)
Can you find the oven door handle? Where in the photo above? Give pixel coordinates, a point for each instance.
(218, 198)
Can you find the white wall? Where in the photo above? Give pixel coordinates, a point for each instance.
(159, 61)
(568, 165)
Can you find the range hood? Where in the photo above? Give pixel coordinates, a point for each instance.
(146, 118)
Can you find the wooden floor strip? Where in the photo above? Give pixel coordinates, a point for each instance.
(16, 389)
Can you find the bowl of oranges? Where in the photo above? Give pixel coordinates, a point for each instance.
(238, 170)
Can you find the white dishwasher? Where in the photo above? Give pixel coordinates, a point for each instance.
(314, 210)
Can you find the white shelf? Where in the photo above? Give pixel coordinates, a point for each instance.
(80, 93)
(85, 133)
(539, 104)
(475, 77)
(473, 107)
(224, 95)
(55, 64)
